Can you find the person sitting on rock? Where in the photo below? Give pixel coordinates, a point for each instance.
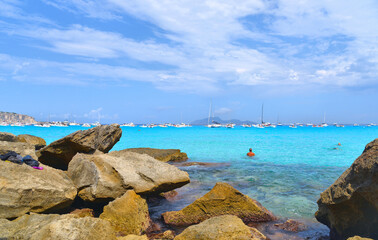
(250, 154)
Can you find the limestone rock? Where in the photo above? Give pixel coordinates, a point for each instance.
(167, 235)
(223, 199)
(102, 176)
(7, 137)
(291, 226)
(226, 227)
(21, 148)
(84, 212)
(128, 214)
(133, 237)
(349, 206)
(59, 153)
(57, 227)
(359, 238)
(24, 189)
(164, 155)
(33, 140)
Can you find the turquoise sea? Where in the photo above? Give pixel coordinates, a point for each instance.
(291, 167)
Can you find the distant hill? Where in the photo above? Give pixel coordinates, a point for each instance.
(13, 118)
(221, 121)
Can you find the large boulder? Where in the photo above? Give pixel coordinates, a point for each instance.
(57, 227)
(24, 189)
(224, 227)
(8, 137)
(128, 214)
(59, 153)
(21, 148)
(33, 140)
(223, 199)
(101, 176)
(164, 155)
(349, 206)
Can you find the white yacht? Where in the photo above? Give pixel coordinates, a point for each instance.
(86, 125)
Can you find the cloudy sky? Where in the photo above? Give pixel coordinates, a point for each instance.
(164, 61)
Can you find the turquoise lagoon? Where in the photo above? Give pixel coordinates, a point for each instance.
(291, 168)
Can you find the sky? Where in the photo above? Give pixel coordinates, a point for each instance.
(146, 61)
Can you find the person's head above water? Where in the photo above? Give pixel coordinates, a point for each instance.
(250, 149)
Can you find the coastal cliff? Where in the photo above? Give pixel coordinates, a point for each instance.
(14, 118)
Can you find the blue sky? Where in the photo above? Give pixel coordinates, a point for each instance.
(163, 61)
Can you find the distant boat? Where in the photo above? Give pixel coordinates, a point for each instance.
(246, 125)
(128, 125)
(292, 126)
(86, 125)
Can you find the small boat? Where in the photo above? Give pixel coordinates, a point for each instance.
(86, 125)
(292, 126)
(246, 125)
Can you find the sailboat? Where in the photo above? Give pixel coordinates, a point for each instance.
(324, 124)
(212, 123)
(262, 119)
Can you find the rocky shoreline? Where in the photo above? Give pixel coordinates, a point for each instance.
(84, 191)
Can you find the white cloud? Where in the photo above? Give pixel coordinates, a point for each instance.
(223, 111)
(285, 43)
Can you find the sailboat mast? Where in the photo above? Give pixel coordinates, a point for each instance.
(262, 114)
(208, 120)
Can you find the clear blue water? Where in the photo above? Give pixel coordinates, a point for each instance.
(291, 168)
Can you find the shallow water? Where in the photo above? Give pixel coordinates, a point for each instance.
(291, 168)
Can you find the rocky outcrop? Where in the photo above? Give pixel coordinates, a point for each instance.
(224, 227)
(102, 176)
(57, 227)
(21, 148)
(33, 140)
(13, 118)
(223, 199)
(24, 189)
(128, 214)
(164, 155)
(8, 137)
(59, 153)
(349, 206)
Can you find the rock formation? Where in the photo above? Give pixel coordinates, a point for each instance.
(164, 155)
(21, 148)
(223, 199)
(8, 137)
(24, 189)
(33, 140)
(102, 176)
(226, 227)
(128, 214)
(349, 206)
(57, 227)
(59, 153)
(12, 118)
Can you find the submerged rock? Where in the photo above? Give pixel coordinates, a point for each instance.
(291, 226)
(33, 140)
(57, 227)
(24, 189)
(349, 206)
(20, 148)
(59, 153)
(7, 137)
(164, 155)
(224, 227)
(221, 200)
(102, 176)
(128, 214)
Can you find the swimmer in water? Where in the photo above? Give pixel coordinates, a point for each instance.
(250, 154)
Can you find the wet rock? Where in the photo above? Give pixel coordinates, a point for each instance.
(7, 137)
(57, 227)
(84, 212)
(33, 140)
(102, 176)
(21, 148)
(24, 189)
(164, 155)
(349, 206)
(59, 153)
(206, 164)
(221, 200)
(128, 214)
(224, 227)
(169, 196)
(291, 226)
